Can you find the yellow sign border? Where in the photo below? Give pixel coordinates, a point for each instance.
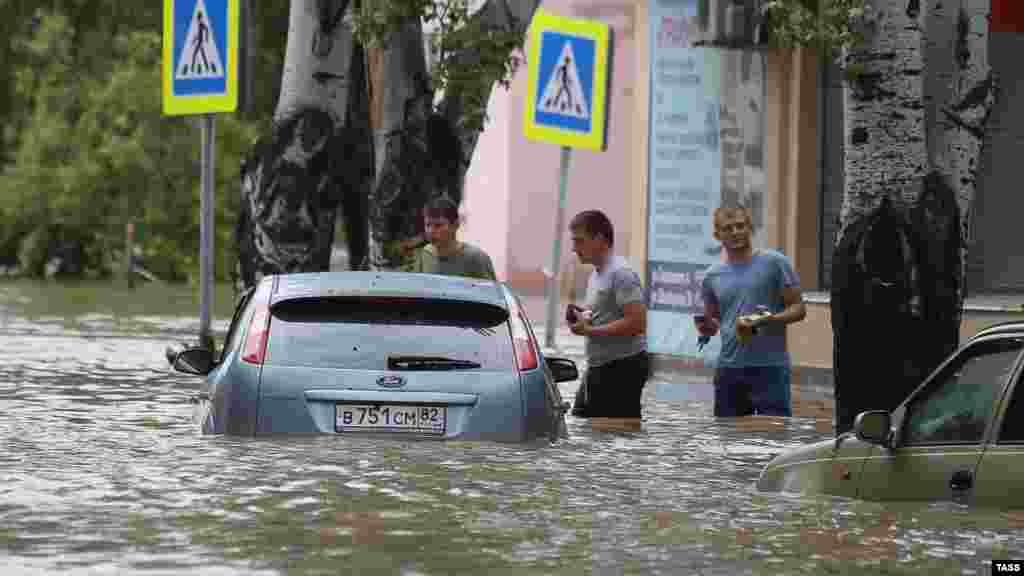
(600, 33)
(200, 104)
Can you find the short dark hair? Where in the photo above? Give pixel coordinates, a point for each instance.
(594, 223)
(442, 207)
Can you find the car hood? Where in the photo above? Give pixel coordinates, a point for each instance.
(823, 466)
(810, 452)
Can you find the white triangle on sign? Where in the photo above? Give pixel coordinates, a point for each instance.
(563, 94)
(199, 58)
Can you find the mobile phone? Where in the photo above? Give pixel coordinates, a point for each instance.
(572, 313)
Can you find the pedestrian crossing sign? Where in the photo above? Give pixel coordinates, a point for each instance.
(200, 56)
(567, 81)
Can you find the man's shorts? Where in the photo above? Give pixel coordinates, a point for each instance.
(752, 390)
(614, 388)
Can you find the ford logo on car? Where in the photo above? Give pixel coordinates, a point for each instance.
(391, 381)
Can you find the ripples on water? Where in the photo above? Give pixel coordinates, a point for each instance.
(102, 471)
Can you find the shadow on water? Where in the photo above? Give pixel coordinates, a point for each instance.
(102, 470)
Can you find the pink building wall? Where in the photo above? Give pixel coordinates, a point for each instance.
(512, 185)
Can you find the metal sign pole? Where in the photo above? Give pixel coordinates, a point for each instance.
(556, 253)
(206, 231)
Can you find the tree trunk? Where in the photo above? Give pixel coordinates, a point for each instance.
(403, 100)
(923, 155)
(885, 157)
(966, 116)
(885, 152)
(318, 153)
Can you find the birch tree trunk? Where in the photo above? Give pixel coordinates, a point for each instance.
(318, 153)
(922, 153)
(400, 143)
(975, 88)
(885, 152)
(885, 157)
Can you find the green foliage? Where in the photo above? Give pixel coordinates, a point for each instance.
(468, 56)
(835, 26)
(93, 152)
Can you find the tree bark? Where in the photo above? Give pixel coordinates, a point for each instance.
(975, 89)
(318, 152)
(885, 152)
(403, 101)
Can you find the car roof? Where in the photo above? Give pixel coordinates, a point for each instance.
(1008, 327)
(388, 284)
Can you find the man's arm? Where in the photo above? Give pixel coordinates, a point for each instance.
(633, 323)
(629, 291)
(794, 311)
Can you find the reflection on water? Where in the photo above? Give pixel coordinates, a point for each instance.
(102, 471)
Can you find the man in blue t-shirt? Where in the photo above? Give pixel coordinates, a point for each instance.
(753, 373)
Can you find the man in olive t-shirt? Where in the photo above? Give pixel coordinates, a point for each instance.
(445, 254)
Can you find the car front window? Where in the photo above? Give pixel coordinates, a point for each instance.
(958, 407)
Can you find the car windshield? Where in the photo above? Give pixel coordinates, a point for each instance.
(958, 407)
(370, 333)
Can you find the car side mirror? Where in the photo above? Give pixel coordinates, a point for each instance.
(563, 369)
(874, 427)
(198, 361)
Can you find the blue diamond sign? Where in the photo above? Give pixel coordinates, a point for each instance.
(567, 81)
(200, 56)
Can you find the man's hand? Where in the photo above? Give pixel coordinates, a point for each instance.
(744, 329)
(410, 245)
(580, 328)
(582, 325)
(706, 325)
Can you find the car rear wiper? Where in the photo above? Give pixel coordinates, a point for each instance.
(429, 363)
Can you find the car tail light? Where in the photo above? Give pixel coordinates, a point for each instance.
(522, 339)
(259, 326)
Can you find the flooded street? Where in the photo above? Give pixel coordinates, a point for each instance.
(102, 471)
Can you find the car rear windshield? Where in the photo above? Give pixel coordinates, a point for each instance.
(364, 333)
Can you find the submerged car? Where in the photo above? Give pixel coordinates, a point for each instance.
(392, 353)
(959, 436)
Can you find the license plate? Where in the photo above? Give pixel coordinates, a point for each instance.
(391, 418)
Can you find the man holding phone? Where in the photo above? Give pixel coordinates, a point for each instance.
(750, 297)
(613, 322)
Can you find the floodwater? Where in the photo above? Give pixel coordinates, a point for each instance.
(103, 471)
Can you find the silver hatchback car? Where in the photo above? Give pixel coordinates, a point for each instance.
(410, 355)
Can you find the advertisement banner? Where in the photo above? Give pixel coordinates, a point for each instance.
(684, 176)
(706, 145)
